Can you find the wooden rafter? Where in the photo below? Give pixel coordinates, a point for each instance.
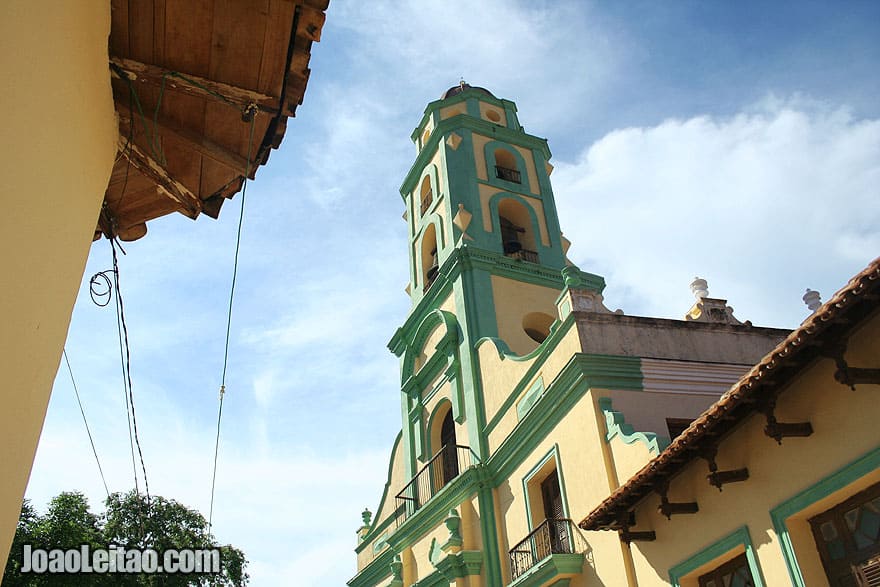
(192, 85)
(194, 141)
(190, 204)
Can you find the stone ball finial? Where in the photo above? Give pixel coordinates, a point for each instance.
(366, 515)
(700, 288)
(812, 299)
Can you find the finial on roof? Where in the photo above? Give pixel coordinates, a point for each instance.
(700, 288)
(462, 83)
(812, 299)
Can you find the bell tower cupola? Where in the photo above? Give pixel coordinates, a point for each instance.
(478, 199)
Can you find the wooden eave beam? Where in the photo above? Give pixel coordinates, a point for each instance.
(190, 204)
(192, 85)
(194, 141)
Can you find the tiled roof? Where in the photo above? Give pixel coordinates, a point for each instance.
(821, 334)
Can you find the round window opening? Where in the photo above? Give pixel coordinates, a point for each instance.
(537, 326)
(493, 115)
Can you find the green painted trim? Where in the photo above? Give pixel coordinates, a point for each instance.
(474, 124)
(838, 480)
(532, 395)
(457, 565)
(549, 346)
(431, 423)
(582, 372)
(739, 537)
(616, 426)
(376, 571)
(435, 510)
(489, 155)
(553, 453)
(489, 529)
(549, 568)
(438, 358)
(548, 256)
(376, 527)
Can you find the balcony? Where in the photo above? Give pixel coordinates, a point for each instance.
(523, 255)
(549, 549)
(440, 470)
(507, 174)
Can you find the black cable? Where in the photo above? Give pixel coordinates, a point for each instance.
(85, 421)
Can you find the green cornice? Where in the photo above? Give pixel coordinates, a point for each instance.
(464, 121)
(372, 574)
(616, 424)
(465, 96)
(460, 564)
(581, 373)
(549, 568)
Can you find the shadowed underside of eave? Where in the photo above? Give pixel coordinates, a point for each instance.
(198, 86)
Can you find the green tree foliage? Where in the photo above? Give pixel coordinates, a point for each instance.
(130, 521)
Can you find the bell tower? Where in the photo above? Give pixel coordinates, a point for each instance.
(478, 199)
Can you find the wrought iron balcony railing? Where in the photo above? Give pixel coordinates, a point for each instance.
(553, 536)
(440, 470)
(507, 174)
(524, 255)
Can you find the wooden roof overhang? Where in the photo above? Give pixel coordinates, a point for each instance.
(203, 90)
(825, 334)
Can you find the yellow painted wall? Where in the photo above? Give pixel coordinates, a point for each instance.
(580, 439)
(396, 481)
(486, 193)
(501, 376)
(513, 300)
(59, 144)
(844, 424)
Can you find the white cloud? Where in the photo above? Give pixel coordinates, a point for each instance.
(763, 205)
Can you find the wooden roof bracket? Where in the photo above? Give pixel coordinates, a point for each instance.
(718, 478)
(850, 376)
(779, 430)
(625, 520)
(668, 508)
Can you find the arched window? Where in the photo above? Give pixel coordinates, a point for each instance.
(449, 450)
(430, 263)
(426, 194)
(505, 166)
(517, 237)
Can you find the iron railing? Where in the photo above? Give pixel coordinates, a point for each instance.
(440, 470)
(524, 255)
(507, 174)
(553, 536)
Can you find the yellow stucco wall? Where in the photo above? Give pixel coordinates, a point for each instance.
(579, 441)
(844, 424)
(59, 143)
(500, 377)
(513, 300)
(486, 193)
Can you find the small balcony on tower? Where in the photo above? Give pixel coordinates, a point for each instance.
(445, 466)
(508, 174)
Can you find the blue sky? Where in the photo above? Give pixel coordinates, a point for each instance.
(735, 141)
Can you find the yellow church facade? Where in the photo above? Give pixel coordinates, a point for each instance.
(526, 404)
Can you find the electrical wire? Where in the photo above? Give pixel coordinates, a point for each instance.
(252, 109)
(85, 421)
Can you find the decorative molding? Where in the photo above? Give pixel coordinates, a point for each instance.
(802, 500)
(555, 565)
(716, 550)
(616, 426)
(688, 377)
